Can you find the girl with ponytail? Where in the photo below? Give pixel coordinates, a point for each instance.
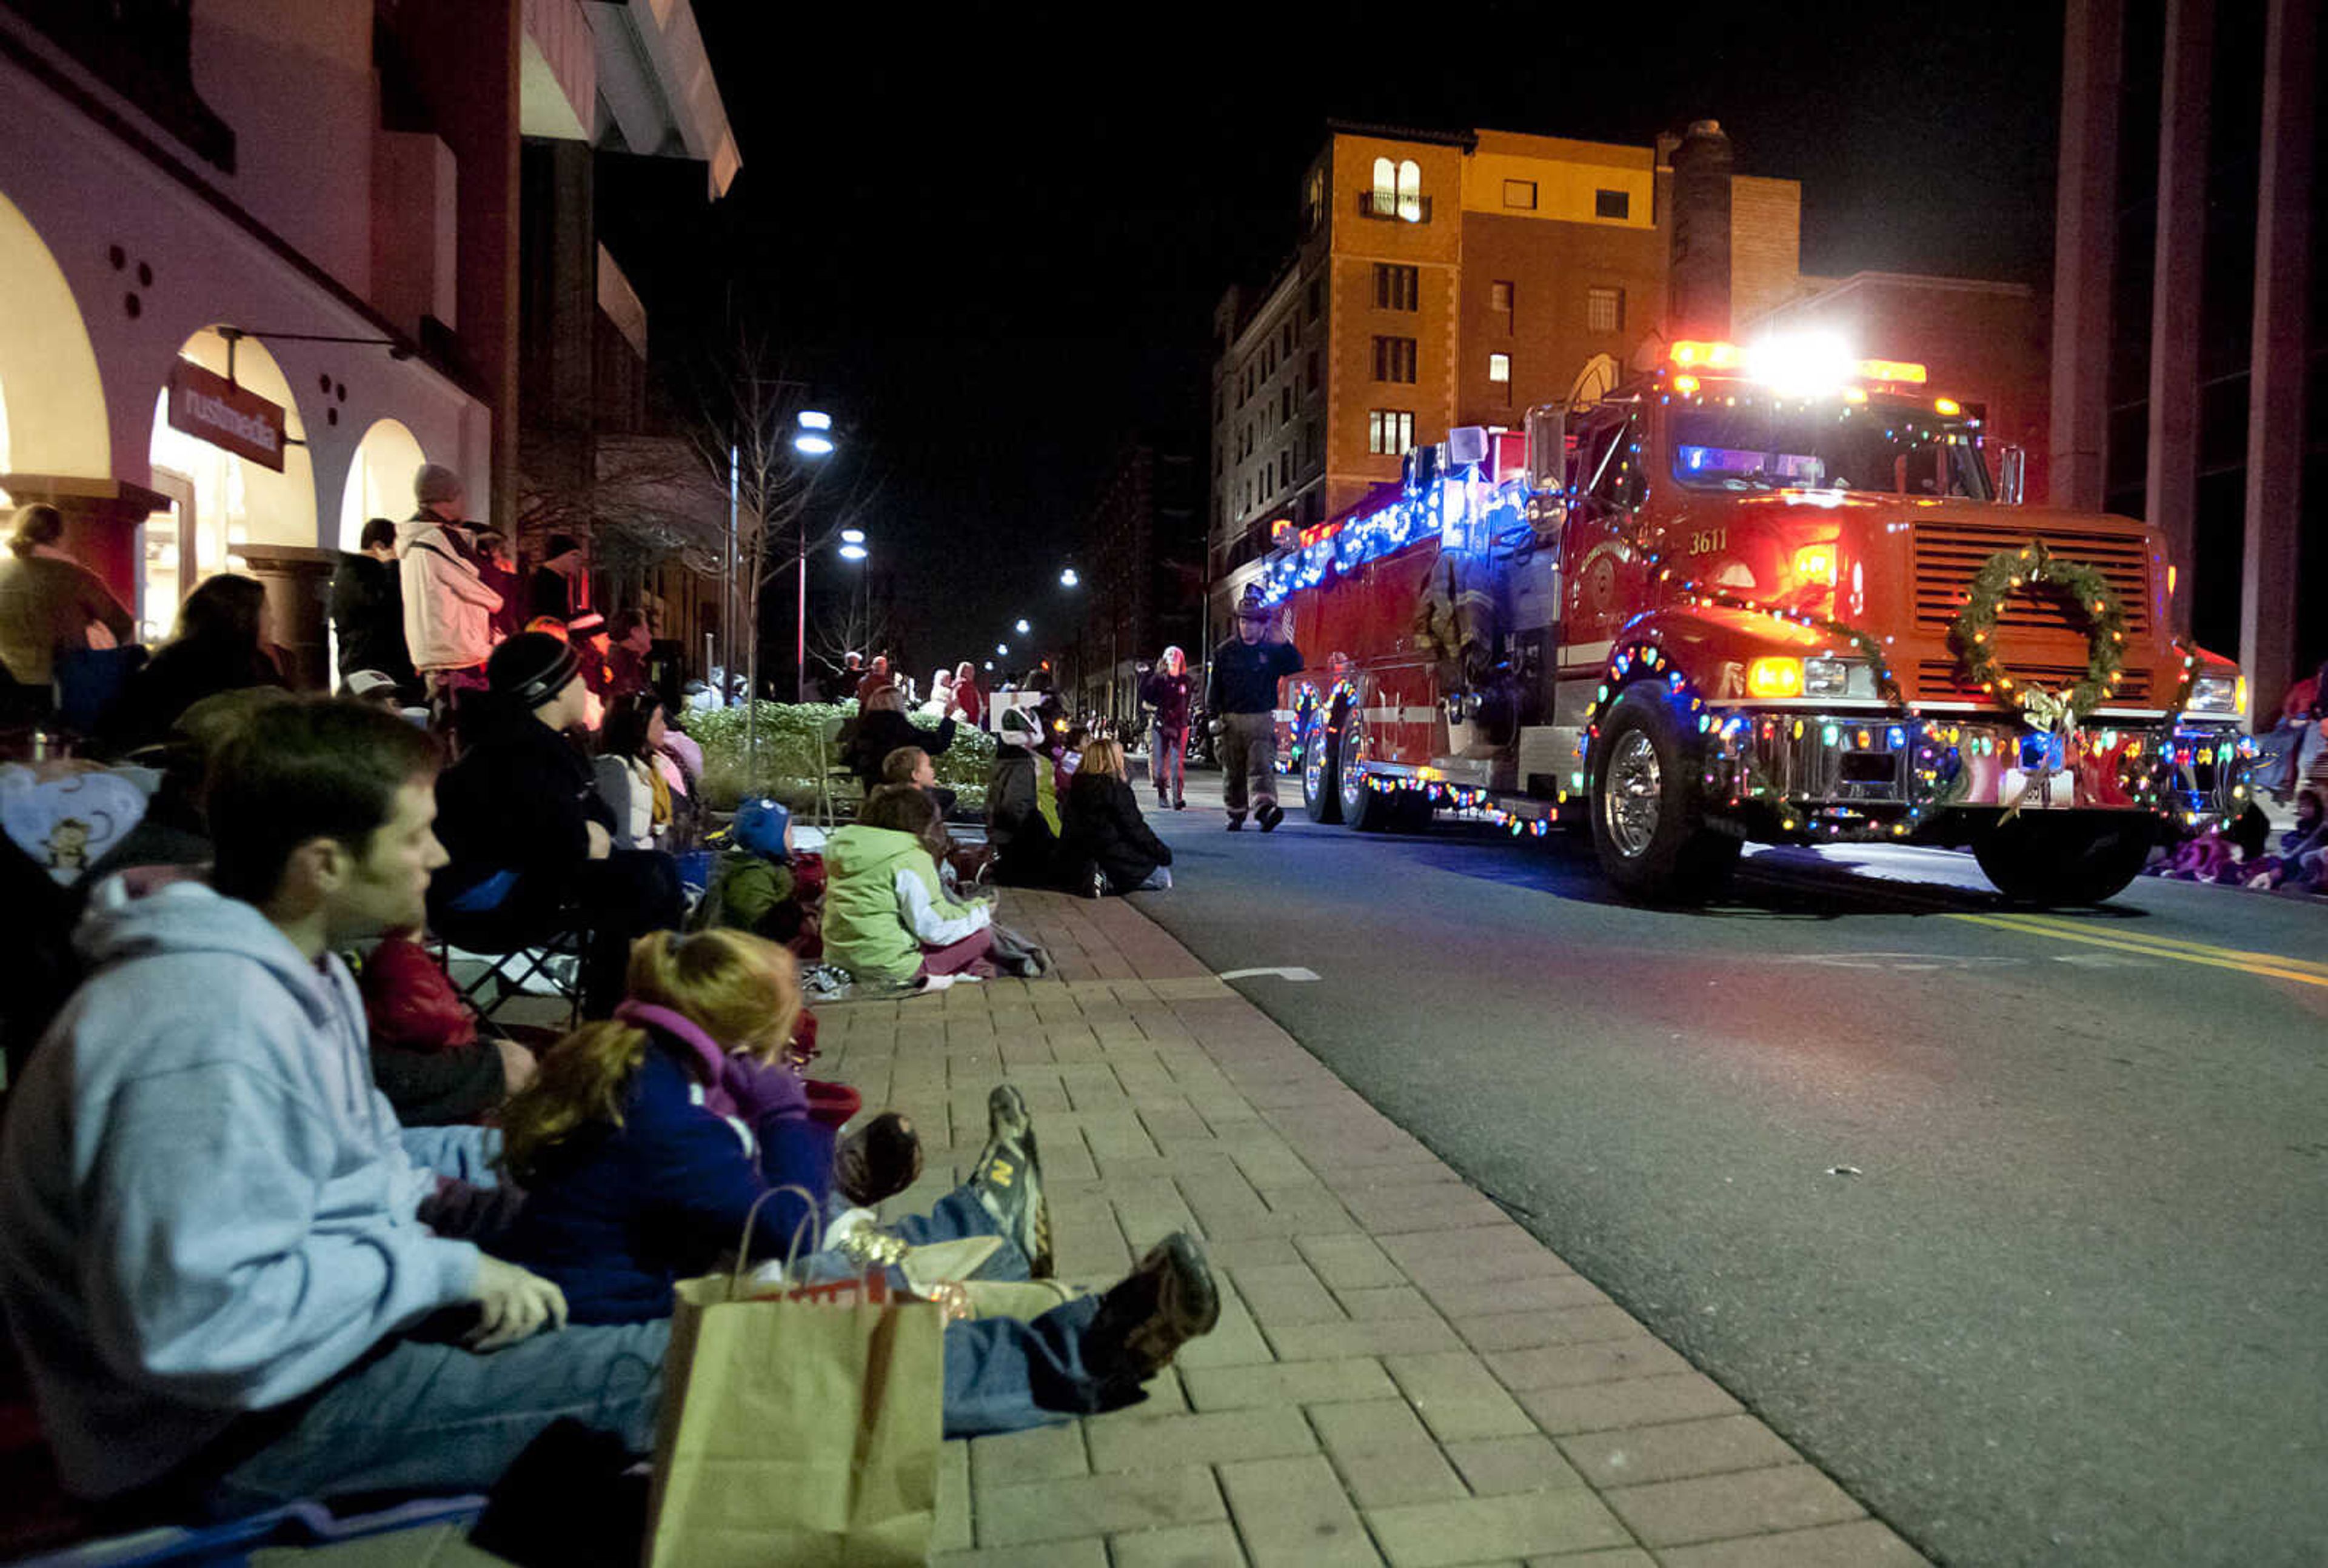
(646, 1140)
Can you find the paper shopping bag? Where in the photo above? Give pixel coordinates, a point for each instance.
(799, 1427)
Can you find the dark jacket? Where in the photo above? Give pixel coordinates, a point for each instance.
(519, 800)
(549, 593)
(1102, 826)
(440, 1088)
(1169, 695)
(181, 675)
(617, 1214)
(1245, 675)
(368, 618)
(880, 733)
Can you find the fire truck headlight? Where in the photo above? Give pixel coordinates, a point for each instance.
(1775, 678)
(2215, 694)
(1826, 676)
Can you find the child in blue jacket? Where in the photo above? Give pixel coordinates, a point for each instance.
(647, 1139)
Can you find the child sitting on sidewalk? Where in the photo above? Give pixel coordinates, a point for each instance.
(886, 915)
(649, 1139)
(1108, 846)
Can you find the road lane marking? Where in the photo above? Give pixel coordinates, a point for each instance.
(2269, 966)
(2167, 946)
(1291, 972)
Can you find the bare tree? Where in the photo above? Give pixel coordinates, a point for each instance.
(786, 505)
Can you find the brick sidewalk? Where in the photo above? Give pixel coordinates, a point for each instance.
(1401, 1373)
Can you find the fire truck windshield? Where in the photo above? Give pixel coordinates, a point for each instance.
(1881, 446)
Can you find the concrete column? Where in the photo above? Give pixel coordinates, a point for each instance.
(2171, 482)
(2268, 648)
(2084, 230)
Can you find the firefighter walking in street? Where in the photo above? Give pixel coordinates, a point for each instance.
(1242, 697)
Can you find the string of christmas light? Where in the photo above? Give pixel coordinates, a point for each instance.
(2034, 567)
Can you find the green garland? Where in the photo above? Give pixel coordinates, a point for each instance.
(1974, 632)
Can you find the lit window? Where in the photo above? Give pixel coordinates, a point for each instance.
(1313, 201)
(1612, 205)
(1499, 298)
(1409, 190)
(1604, 310)
(1389, 431)
(1520, 194)
(1499, 368)
(1386, 186)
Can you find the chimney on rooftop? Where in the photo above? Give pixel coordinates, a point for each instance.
(1698, 276)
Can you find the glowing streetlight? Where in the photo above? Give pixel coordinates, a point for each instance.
(1022, 628)
(852, 536)
(990, 665)
(1067, 578)
(1003, 650)
(814, 437)
(852, 552)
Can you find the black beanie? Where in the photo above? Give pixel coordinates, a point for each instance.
(531, 669)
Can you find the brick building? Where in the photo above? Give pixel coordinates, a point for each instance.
(1142, 583)
(1985, 343)
(1447, 278)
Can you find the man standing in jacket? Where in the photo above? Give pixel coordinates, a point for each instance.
(448, 609)
(368, 611)
(233, 1276)
(1242, 698)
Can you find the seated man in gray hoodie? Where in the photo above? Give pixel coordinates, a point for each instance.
(227, 1266)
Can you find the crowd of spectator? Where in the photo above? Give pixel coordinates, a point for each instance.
(283, 1217)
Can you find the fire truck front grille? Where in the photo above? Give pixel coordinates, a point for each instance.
(1949, 554)
(1943, 680)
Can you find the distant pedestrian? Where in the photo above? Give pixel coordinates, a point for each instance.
(878, 675)
(1243, 700)
(626, 659)
(550, 590)
(969, 701)
(448, 608)
(498, 566)
(368, 610)
(1171, 690)
(50, 603)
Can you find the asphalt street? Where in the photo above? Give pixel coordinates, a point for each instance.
(2017, 1225)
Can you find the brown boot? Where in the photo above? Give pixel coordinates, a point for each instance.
(1168, 1300)
(878, 1160)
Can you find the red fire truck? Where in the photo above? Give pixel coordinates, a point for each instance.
(1771, 594)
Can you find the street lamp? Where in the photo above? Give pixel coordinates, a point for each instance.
(1067, 578)
(1022, 628)
(852, 552)
(1003, 650)
(813, 436)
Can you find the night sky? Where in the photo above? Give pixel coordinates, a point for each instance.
(994, 247)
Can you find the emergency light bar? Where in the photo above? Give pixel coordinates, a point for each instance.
(1795, 362)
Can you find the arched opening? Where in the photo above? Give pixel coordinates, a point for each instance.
(380, 479)
(223, 498)
(52, 399)
(1386, 186)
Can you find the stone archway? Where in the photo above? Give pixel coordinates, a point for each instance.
(51, 399)
(380, 478)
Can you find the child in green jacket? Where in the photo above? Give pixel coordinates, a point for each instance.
(886, 914)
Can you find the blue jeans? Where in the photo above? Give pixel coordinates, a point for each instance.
(425, 1417)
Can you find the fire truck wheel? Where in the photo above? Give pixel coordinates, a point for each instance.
(1649, 820)
(2065, 859)
(1321, 789)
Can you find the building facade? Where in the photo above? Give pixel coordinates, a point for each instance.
(260, 261)
(1141, 580)
(1447, 278)
(2191, 310)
